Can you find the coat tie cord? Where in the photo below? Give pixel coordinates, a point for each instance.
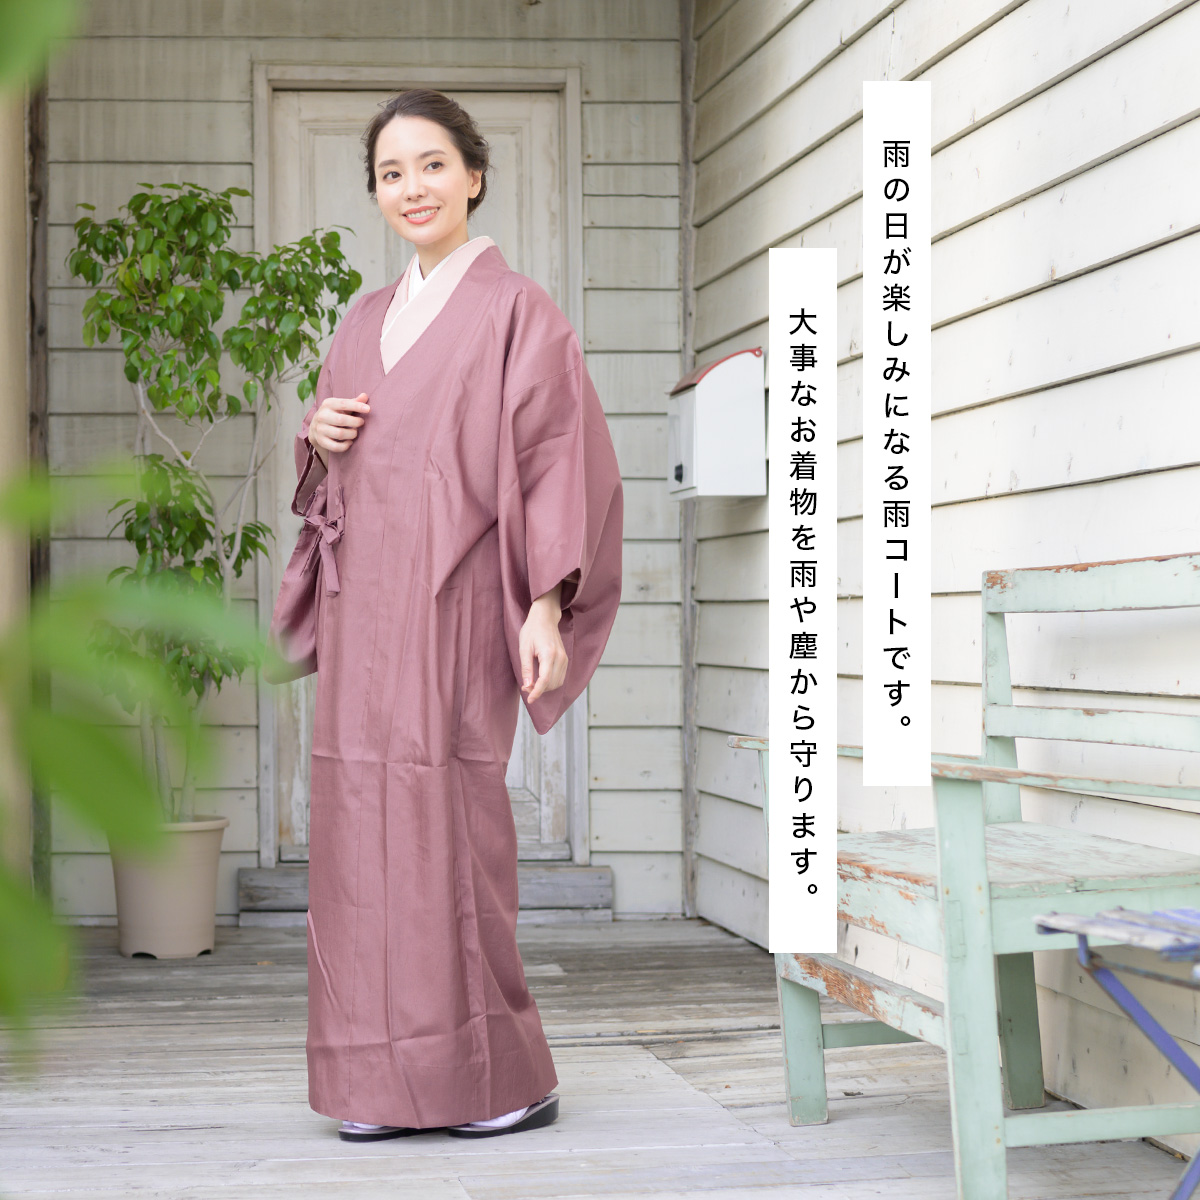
(329, 533)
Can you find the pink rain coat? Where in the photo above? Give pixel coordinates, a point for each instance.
(483, 475)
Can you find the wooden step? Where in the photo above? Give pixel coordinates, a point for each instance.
(540, 886)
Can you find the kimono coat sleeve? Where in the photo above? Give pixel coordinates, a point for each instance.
(560, 502)
(311, 473)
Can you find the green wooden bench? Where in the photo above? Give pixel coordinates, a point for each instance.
(969, 889)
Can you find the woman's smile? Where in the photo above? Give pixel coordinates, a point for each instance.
(420, 216)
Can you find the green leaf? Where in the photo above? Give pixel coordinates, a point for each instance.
(94, 773)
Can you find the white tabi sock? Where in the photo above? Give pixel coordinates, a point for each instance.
(499, 1122)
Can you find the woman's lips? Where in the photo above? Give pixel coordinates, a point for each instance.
(421, 219)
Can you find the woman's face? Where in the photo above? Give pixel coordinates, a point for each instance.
(418, 167)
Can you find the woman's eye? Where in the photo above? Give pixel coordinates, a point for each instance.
(435, 163)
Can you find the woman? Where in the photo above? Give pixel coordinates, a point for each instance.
(458, 464)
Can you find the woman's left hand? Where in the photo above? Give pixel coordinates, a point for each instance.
(540, 639)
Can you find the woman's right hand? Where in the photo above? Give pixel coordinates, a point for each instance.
(334, 425)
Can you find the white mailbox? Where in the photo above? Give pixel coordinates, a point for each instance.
(717, 429)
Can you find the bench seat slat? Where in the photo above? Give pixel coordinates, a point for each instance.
(1023, 858)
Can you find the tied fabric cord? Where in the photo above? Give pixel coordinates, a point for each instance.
(329, 533)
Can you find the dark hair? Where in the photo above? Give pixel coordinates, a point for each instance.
(450, 115)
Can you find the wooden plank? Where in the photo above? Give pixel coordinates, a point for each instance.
(839, 1034)
(631, 258)
(149, 131)
(798, 122)
(759, 52)
(732, 700)
(76, 440)
(83, 883)
(1135, 1069)
(285, 888)
(630, 179)
(1162, 730)
(1048, 336)
(754, 335)
(1082, 120)
(894, 1005)
(1157, 582)
(1143, 651)
(727, 772)
(640, 441)
(721, 516)
(732, 568)
(644, 882)
(650, 571)
(644, 634)
(649, 509)
(732, 899)
(631, 758)
(737, 298)
(1024, 859)
(634, 382)
(1062, 231)
(93, 381)
(1087, 523)
(219, 68)
(240, 805)
(93, 520)
(1096, 1124)
(732, 833)
(814, 187)
(1079, 432)
(919, 31)
(599, 19)
(628, 320)
(69, 555)
(914, 967)
(633, 695)
(744, 291)
(565, 886)
(995, 70)
(732, 634)
(631, 133)
(631, 212)
(635, 821)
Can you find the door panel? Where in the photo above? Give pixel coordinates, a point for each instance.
(318, 179)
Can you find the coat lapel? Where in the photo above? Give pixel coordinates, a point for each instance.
(405, 325)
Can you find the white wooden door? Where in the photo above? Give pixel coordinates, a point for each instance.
(317, 179)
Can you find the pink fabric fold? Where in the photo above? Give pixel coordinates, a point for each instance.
(483, 474)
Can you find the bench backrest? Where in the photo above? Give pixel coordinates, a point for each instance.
(1171, 581)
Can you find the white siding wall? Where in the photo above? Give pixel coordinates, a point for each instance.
(162, 93)
(1066, 354)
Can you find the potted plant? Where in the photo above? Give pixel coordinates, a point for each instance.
(162, 272)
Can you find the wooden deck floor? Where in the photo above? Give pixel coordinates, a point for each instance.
(188, 1080)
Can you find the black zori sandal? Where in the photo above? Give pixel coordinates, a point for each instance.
(356, 1131)
(544, 1112)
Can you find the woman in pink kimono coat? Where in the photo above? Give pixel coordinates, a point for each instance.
(459, 466)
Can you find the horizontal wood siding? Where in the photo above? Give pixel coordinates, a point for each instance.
(1066, 343)
(163, 93)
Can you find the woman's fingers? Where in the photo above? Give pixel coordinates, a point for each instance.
(337, 421)
(551, 657)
